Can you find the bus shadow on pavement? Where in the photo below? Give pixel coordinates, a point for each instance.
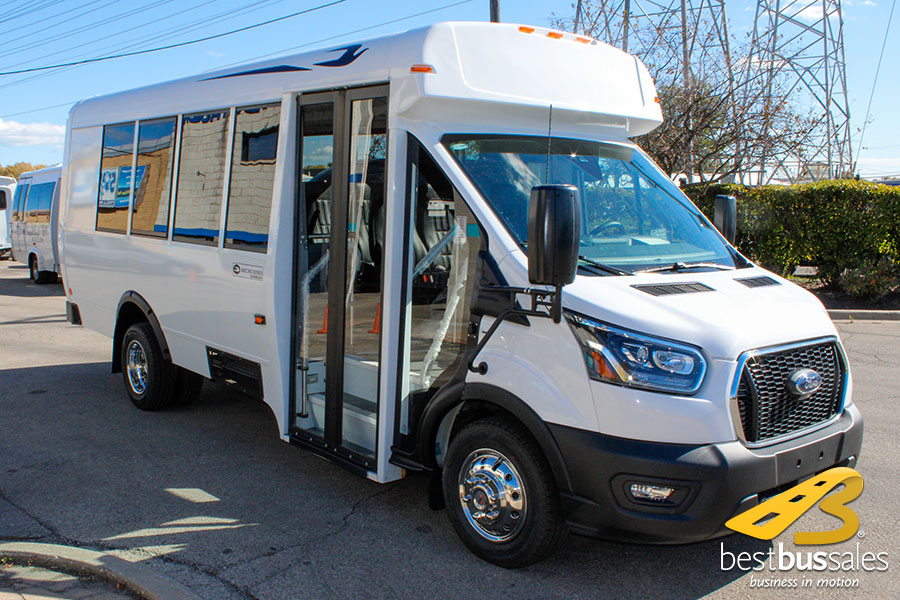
(25, 288)
(212, 487)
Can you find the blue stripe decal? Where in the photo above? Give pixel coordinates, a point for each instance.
(350, 54)
(277, 69)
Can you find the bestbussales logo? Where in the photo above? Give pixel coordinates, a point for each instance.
(769, 519)
(773, 516)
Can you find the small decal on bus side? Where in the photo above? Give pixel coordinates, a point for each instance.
(460, 237)
(247, 271)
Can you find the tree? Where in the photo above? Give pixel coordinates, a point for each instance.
(18, 168)
(721, 114)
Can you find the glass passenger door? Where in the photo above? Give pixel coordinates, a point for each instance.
(338, 274)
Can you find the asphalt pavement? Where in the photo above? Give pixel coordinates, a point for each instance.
(210, 497)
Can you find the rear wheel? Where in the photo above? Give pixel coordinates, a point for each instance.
(187, 387)
(38, 276)
(500, 495)
(149, 378)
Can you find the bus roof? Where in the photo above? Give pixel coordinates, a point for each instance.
(45, 171)
(491, 66)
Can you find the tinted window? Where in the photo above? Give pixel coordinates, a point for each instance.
(153, 179)
(115, 177)
(37, 206)
(2, 199)
(252, 177)
(19, 201)
(201, 177)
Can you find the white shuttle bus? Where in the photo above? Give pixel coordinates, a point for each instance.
(439, 251)
(7, 190)
(33, 223)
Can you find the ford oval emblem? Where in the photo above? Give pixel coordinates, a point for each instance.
(803, 382)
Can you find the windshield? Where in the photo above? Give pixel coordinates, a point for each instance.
(633, 217)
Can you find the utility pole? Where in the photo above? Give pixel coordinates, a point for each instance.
(495, 11)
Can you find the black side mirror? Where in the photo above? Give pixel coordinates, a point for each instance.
(725, 216)
(554, 231)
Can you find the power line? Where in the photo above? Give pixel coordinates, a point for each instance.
(44, 25)
(279, 52)
(340, 35)
(28, 10)
(81, 29)
(178, 45)
(875, 81)
(34, 110)
(29, 5)
(140, 42)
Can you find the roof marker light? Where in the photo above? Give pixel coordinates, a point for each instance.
(526, 29)
(657, 100)
(421, 69)
(583, 40)
(556, 35)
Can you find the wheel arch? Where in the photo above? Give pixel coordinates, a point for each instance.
(36, 253)
(462, 403)
(133, 308)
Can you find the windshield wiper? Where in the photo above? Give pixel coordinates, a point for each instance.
(679, 266)
(602, 267)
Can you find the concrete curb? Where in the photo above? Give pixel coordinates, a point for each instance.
(137, 578)
(863, 315)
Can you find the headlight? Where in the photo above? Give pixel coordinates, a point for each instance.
(627, 358)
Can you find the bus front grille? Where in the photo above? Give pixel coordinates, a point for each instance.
(768, 410)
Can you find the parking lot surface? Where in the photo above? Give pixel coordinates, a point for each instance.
(208, 495)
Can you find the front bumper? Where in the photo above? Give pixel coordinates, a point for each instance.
(716, 481)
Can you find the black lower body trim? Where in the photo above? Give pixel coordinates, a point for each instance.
(717, 480)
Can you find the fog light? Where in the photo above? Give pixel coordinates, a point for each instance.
(654, 493)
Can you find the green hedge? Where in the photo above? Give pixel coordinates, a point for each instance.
(849, 229)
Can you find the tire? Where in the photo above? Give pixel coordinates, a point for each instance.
(187, 387)
(529, 524)
(40, 277)
(33, 270)
(149, 378)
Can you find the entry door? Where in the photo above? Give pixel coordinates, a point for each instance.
(338, 274)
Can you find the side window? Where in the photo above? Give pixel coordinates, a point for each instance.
(19, 201)
(3, 200)
(443, 242)
(201, 177)
(252, 177)
(115, 178)
(32, 202)
(44, 202)
(153, 177)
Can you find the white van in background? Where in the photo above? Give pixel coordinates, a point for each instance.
(34, 223)
(440, 251)
(7, 189)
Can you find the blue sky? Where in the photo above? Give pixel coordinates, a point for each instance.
(67, 30)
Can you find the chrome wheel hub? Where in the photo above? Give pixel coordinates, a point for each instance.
(492, 495)
(136, 367)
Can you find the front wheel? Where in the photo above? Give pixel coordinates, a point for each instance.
(500, 495)
(187, 387)
(149, 377)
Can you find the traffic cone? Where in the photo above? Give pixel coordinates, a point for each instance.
(324, 322)
(376, 328)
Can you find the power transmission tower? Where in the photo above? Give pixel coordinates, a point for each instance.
(798, 46)
(681, 41)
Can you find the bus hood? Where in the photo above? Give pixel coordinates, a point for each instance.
(725, 320)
